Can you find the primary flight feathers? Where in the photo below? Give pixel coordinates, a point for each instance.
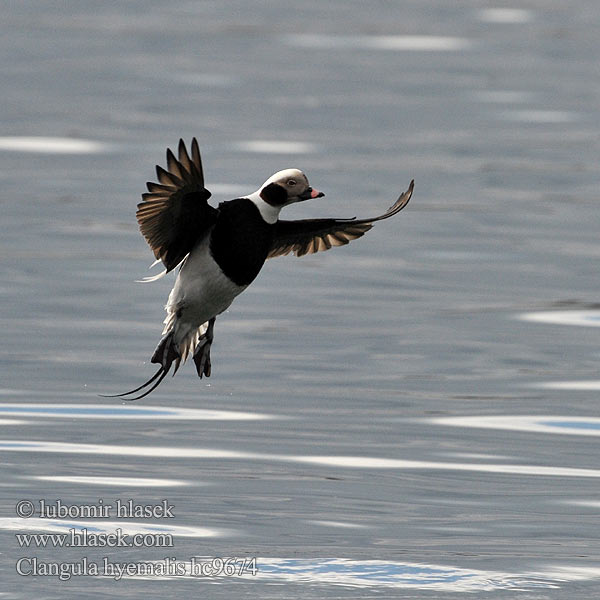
(175, 212)
(314, 235)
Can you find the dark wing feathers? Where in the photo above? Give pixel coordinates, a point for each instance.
(174, 213)
(196, 162)
(157, 187)
(308, 236)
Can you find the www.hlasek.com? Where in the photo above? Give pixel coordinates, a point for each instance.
(82, 538)
(31, 566)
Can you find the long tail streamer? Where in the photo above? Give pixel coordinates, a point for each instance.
(161, 374)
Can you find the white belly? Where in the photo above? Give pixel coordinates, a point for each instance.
(201, 291)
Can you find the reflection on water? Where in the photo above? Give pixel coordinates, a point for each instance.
(586, 318)
(378, 42)
(504, 96)
(164, 452)
(337, 524)
(540, 116)
(352, 462)
(375, 574)
(106, 411)
(390, 463)
(537, 424)
(585, 503)
(569, 385)
(51, 145)
(587, 426)
(143, 482)
(505, 15)
(276, 147)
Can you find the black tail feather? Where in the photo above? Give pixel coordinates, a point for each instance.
(166, 352)
(162, 372)
(137, 389)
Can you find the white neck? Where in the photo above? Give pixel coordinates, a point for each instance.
(269, 213)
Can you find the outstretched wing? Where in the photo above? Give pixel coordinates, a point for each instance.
(174, 213)
(308, 236)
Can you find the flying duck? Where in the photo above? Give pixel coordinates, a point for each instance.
(220, 251)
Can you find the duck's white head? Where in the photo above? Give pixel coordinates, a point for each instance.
(283, 188)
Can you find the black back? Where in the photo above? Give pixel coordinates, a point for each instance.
(240, 240)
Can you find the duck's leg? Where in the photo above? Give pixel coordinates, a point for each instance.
(202, 350)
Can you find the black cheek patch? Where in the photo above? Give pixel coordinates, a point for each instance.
(274, 194)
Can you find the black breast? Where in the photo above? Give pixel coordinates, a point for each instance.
(240, 240)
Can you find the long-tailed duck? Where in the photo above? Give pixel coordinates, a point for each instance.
(221, 250)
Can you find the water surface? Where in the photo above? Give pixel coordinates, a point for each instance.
(413, 415)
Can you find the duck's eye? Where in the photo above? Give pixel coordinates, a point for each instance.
(291, 182)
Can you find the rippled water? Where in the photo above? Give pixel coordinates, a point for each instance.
(413, 415)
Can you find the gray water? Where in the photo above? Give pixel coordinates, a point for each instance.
(414, 415)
